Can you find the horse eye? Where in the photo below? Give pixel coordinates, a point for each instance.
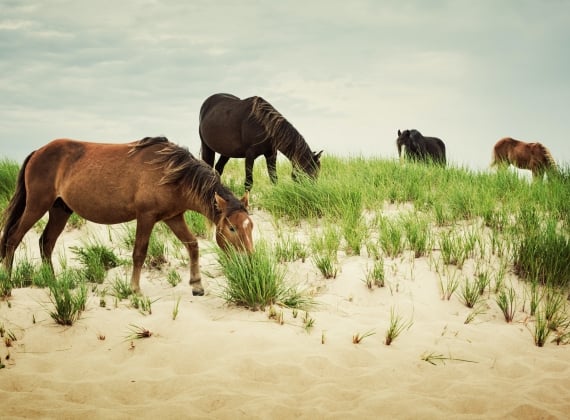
(232, 229)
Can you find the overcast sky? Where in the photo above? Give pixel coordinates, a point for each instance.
(346, 74)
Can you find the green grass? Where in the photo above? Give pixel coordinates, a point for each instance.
(68, 295)
(288, 249)
(507, 301)
(173, 278)
(375, 276)
(5, 284)
(23, 273)
(96, 259)
(542, 250)
(121, 288)
(8, 174)
(258, 280)
(469, 292)
(391, 236)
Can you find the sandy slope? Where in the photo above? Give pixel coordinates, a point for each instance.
(218, 361)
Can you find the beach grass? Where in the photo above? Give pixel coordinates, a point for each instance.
(257, 280)
(68, 296)
(96, 259)
(398, 324)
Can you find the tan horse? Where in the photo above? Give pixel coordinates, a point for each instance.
(533, 156)
(150, 180)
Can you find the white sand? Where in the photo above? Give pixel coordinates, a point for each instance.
(219, 361)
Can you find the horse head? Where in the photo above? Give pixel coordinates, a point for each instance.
(414, 143)
(311, 166)
(234, 227)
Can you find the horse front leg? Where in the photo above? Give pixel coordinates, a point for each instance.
(249, 160)
(271, 160)
(178, 226)
(142, 237)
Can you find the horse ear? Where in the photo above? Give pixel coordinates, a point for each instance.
(318, 155)
(399, 133)
(221, 204)
(245, 200)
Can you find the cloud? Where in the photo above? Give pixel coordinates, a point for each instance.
(347, 74)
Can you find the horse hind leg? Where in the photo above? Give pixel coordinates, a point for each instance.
(208, 155)
(16, 233)
(221, 164)
(180, 229)
(58, 216)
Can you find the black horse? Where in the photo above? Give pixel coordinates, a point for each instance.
(420, 148)
(248, 128)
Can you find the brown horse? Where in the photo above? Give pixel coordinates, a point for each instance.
(248, 128)
(150, 180)
(533, 156)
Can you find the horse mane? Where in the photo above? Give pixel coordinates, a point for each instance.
(288, 139)
(195, 177)
(146, 142)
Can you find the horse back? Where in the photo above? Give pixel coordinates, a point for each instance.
(225, 126)
(99, 181)
(64, 158)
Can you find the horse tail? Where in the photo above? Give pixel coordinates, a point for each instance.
(551, 163)
(13, 212)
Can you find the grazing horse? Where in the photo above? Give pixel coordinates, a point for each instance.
(533, 156)
(248, 128)
(149, 180)
(420, 148)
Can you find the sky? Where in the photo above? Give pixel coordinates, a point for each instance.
(346, 74)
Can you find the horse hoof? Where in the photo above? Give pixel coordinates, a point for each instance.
(198, 292)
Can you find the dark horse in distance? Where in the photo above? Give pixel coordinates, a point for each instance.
(248, 128)
(420, 148)
(150, 180)
(533, 156)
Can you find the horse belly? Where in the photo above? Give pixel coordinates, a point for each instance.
(225, 140)
(101, 205)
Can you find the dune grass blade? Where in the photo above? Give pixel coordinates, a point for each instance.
(396, 327)
(358, 337)
(137, 332)
(541, 329)
(469, 293)
(433, 358)
(506, 300)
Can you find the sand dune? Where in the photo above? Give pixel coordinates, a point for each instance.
(219, 361)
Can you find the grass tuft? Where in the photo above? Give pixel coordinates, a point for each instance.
(257, 280)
